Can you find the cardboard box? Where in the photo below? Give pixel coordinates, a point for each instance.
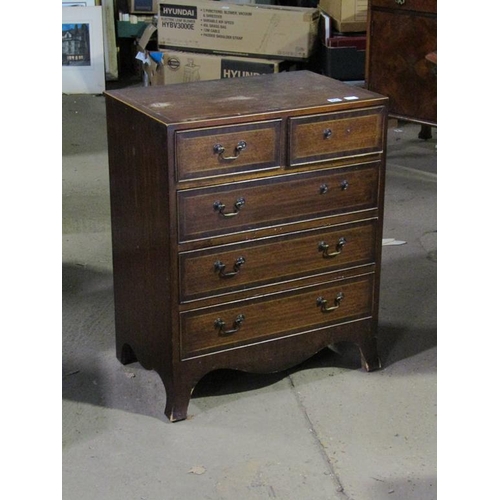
(263, 31)
(348, 15)
(181, 67)
(143, 6)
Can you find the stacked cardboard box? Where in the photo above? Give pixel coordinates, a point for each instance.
(180, 67)
(251, 30)
(206, 40)
(171, 66)
(347, 15)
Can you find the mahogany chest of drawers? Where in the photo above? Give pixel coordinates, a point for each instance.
(401, 35)
(246, 224)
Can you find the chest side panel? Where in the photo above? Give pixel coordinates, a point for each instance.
(140, 214)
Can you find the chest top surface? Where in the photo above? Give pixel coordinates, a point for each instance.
(206, 100)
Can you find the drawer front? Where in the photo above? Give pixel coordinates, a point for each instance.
(429, 6)
(227, 150)
(235, 207)
(281, 315)
(241, 266)
(334, 135)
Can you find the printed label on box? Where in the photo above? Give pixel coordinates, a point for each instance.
(235, 69)
(242, 29)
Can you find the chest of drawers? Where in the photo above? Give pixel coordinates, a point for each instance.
(246, 224)
(401, 34)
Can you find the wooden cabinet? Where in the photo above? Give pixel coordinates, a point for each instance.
(400, 36)
(246, 224)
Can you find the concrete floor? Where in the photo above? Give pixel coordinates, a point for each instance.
(326, 430)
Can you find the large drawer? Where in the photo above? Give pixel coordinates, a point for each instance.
(280, 315)
(241, 206)
(324, 137)
(227, 150)
(244, 265)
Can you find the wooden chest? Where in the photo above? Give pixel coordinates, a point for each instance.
(401, 34)
(246, 224)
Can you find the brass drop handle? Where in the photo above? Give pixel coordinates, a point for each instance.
(321, 302)
(323, 247)
(220, 268)
(220, 149)
(220, 207)
(221, 325)
(327, 133)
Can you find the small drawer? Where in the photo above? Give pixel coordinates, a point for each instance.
(243, 206)
(242, 266)
(429, 6)
(279, 315)
(218, 151)
(324, 137)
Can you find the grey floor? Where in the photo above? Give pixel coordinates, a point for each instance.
(326, 430)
